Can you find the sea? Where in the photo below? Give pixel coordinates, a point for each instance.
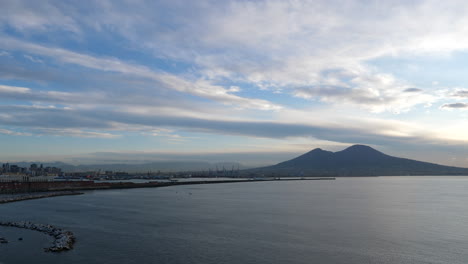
(348, 220)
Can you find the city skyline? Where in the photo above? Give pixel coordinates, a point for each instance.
(149, 80)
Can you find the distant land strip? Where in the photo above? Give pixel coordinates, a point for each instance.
(31, 196)
(71, 187)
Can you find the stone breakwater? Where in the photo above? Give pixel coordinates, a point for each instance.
(22, 197)
(64, 240)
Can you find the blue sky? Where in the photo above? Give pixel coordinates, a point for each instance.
(136, 79)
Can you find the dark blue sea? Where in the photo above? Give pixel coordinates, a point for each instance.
(349, 220)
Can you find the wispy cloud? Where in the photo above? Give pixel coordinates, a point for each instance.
(13, 133)
(31, 58)
(172, 69)
(455, 106)
(198, 87)
(28, 16)
(57, 121)
(70, 132)
(265, 43)
(412, 90)
(461, 93)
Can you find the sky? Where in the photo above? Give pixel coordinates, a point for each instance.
(131, 80)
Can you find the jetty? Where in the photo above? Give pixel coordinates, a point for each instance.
(63, 240)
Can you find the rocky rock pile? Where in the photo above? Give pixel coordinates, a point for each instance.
(64, 240)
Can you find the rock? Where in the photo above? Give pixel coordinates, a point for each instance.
(64, 240)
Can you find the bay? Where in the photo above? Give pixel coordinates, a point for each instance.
(349, 220)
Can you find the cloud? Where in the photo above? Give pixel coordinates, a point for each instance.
(6, 89)
(68, 132)
(461, 93)
(26, 16)
(198, 87)
(278, 45)
(377, 93)
(254, 159)
(236, 57)
(63, 132)
(455, 106)
(124, 102)
(274, 45)
(31, 58)
(169, 134)
(412, 90)
(108, 124)
(13, 133)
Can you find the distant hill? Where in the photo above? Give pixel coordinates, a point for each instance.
(163, 166)
(357, 160)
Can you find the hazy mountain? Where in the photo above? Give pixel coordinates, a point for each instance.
(357, 160)
(58, 164)
(163, 166)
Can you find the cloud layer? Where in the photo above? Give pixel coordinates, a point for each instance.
(255, 69)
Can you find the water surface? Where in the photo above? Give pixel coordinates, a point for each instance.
(350, 220)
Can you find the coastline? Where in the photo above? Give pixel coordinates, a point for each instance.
(73, 186)
(10, 198)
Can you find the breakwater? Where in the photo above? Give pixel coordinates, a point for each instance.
(63, 240)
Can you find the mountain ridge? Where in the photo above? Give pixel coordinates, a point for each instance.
(356, 160)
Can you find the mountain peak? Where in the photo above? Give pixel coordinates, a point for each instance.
(360, 149)
(360, 153)
(316, 150)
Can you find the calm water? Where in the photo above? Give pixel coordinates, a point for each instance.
(358, 220)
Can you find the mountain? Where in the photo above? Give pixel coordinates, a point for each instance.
(357, 160)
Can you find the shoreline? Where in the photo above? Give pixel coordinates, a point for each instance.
(10, 198)
(79, 190)
(76, 186)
